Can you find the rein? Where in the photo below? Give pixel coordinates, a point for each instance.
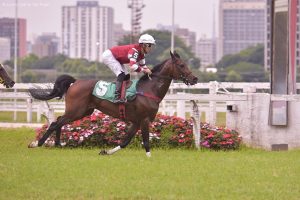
(145, 94)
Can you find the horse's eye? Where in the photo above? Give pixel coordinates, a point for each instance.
(181, 65)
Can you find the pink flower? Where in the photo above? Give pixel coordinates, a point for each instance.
(226, 136)
(93, 118)
(181, 140)
(205, 144)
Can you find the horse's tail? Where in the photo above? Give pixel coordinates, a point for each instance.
(61, 86)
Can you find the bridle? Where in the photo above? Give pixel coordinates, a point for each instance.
(1, 79)
(182, 76)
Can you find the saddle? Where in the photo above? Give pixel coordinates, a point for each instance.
(106, 90)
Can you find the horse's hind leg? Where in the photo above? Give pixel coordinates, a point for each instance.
(63, 121)
(55, 126)
(39, 143)
(131, 132)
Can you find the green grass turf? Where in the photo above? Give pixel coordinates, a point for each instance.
(53, 173)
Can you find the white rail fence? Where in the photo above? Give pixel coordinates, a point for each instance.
(177, 101)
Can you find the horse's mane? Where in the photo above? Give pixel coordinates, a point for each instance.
(155, 69)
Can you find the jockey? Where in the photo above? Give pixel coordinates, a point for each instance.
(132, 54)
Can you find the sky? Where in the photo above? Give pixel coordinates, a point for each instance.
(44, 16)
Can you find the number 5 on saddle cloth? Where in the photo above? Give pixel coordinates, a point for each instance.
(106, 90)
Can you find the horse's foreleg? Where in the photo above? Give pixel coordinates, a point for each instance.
(131, 132)
(145, 135)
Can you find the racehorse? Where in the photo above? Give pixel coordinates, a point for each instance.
(5, 79)
(80, 102)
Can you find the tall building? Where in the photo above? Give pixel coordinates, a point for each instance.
(188, 37)
(119, 33)
(241, 24)
(7, 29)
(46, 45)
(206, 50)
(4, 49)
(87, 30)
(136, 7)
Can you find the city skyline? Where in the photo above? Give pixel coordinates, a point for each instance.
(44, 16)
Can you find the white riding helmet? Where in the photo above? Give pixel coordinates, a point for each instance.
(146, 39)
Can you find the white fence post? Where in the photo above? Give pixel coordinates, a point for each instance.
(39, 112)
(212, 115)
(196, 117)
(29, 110)
(180, 107)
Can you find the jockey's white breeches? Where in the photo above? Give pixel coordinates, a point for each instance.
(113, 64)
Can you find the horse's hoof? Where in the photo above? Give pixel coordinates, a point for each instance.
(103, 152)
(33, 144)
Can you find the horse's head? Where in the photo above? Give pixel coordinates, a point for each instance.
(5, 79)
(180, 70)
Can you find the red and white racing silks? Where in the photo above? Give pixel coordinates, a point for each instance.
(130, 54)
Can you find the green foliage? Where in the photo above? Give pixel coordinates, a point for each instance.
(233, 76)
(247, 65)
(28, 61)
(253, 55)
(30, 77)
(205, 76)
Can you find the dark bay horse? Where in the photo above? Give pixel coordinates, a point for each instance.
(140, 112)
(5, 79)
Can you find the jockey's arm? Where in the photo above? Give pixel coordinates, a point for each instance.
(135, 65)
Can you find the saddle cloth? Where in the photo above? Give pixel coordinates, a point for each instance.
(106, 90)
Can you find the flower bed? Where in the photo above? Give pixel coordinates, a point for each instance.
(165, 131)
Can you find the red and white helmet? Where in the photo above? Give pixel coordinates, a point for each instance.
(146, 39)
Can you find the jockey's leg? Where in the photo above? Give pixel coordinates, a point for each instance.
(127, 77)
(118, 91)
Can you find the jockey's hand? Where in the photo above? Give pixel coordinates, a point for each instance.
(146, 70)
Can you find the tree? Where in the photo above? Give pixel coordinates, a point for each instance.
(233, 76)
(254, 54)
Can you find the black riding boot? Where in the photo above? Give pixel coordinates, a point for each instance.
(119, 89)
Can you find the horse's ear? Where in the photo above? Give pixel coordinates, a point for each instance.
(172, 55)
(176, 54)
